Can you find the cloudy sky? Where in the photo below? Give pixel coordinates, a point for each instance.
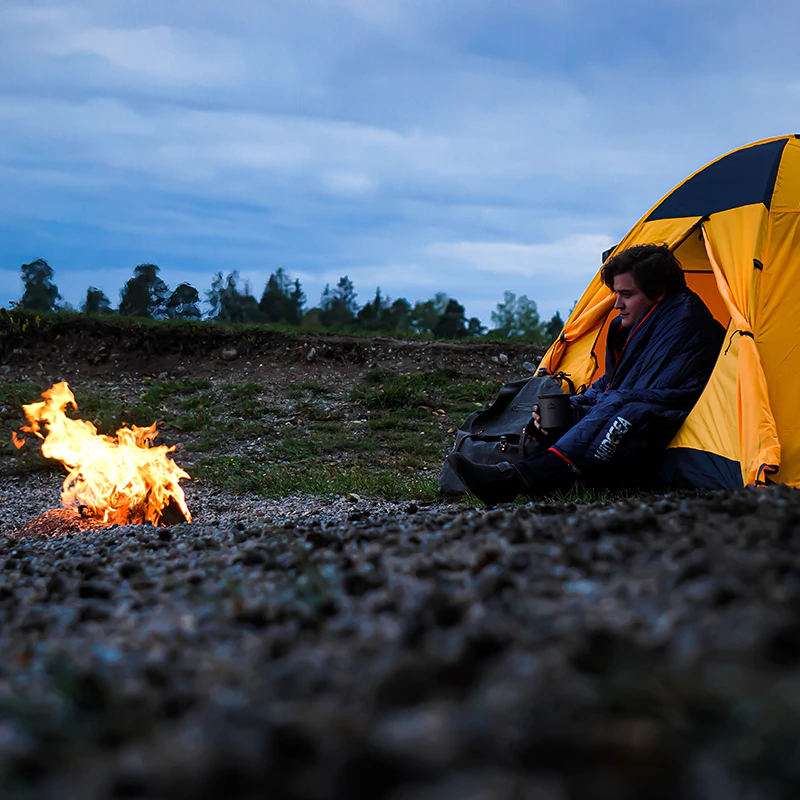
(464, 146)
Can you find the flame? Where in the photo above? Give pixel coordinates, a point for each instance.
(119, 479)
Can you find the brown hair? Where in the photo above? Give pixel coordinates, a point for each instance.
(654, 267)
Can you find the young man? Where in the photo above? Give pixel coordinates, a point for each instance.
(660, 352)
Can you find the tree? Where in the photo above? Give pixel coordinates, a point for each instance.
(372, 316)
(397, 318)
(298, 301)
(298, 298)
(452, 324)
(282, 301)
(475, 328)
(518, 318)
(40, 294)
(228, 303)
(554, 327)
(338, 307)
(425, 316)
(145, 294)
(96, 302)
(184, 303)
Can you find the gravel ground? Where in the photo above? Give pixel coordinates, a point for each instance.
(339, 649)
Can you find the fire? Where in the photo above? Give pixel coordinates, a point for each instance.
(120, 479)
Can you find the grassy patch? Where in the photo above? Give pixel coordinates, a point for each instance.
(275, 481)
(161, 390)
(109, 413)
(241, 400)
(580, 493)
(446, 390)
(197, 421)
(195, 401)
(394, 429)
(206, 442)
(303, 389)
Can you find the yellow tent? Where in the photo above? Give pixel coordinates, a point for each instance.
(734, 225)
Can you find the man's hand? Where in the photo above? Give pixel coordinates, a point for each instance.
(537, 421)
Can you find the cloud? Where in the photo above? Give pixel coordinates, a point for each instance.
(575, 256)
(413, 145)
(156, 53)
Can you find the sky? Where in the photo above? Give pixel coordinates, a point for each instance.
(470, 147)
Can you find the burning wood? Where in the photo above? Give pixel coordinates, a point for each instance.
(121, 479)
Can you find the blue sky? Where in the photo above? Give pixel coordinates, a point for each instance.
(462, 146)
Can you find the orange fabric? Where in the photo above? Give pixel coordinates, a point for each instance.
(705, 285)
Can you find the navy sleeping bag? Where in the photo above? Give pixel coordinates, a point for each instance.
(655, 373)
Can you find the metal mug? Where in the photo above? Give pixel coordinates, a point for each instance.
(555, 411)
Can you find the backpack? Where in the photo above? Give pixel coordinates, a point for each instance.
(503, 430)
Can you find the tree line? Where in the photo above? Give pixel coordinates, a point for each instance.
(283, 301)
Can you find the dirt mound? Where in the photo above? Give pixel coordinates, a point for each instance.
(75, 342)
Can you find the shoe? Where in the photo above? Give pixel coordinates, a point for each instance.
(492, 483)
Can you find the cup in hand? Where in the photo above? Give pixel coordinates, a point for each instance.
(555, 411)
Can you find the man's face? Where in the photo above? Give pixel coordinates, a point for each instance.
(631, 300)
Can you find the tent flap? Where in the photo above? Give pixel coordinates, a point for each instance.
(759, 447)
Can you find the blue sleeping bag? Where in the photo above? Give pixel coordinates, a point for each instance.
(655, 373)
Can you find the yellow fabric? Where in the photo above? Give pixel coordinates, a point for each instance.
(733, 238)
(713, 424)
(692, 253)
(760, 361)
(777, 337)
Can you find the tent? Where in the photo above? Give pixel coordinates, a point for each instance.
(734, 225)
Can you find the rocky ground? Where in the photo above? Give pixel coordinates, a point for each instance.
(344, 648)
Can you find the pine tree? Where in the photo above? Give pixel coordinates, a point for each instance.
(298, 301)
(372, 316)
(397, 318)
(229, 303)
(282, 301)
(425, 315)
(338, 307)
(452, 324)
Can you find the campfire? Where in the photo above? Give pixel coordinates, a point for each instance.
(122, 479)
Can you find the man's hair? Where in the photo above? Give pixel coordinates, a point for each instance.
(654, 267)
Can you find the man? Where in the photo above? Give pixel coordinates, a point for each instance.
(660, 352)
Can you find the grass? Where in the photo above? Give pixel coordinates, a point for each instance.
(303, 389)
(13, 395)
(311, 477)
(160, 390)
(387, 439)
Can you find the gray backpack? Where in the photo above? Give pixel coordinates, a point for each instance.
(501, 431)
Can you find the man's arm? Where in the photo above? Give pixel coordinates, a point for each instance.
(582, 404)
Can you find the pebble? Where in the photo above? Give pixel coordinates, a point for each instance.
(352, 647)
